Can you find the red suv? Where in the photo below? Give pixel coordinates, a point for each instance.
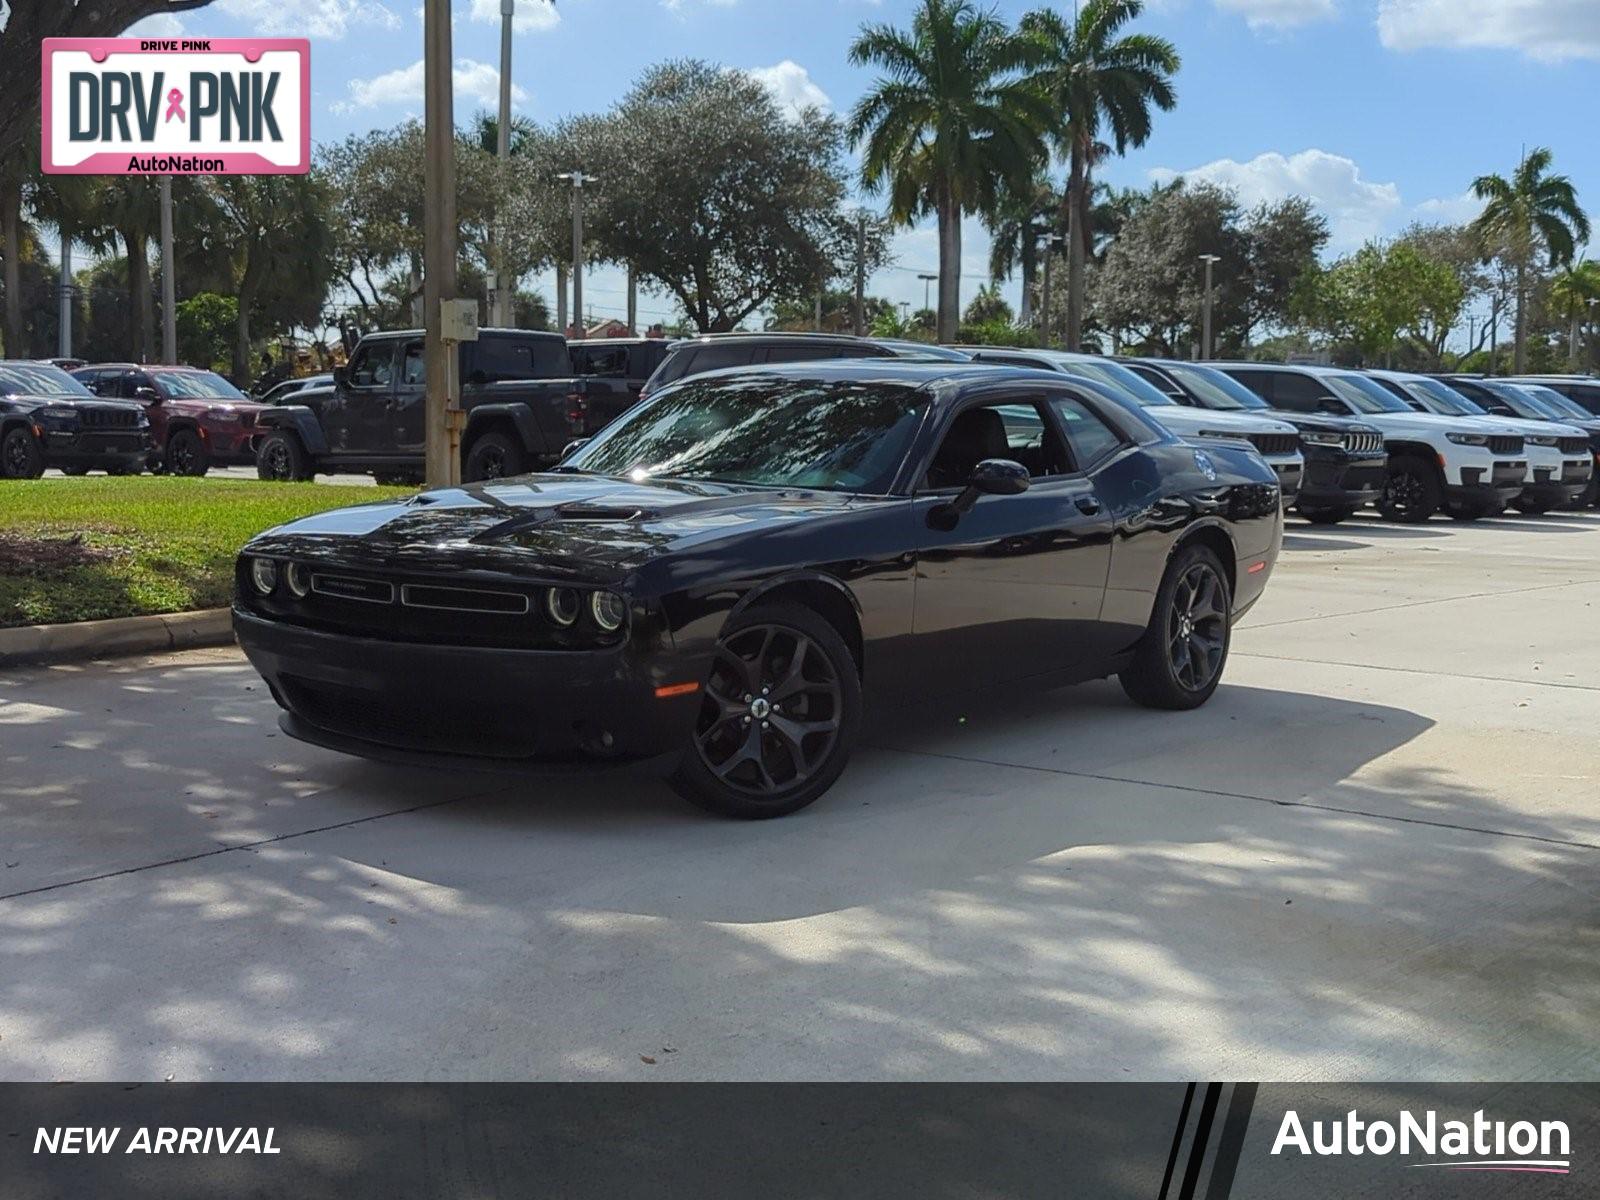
(197, 418)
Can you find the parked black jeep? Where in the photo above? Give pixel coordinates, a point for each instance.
(631, 359)
(523, 402)
(49, 419)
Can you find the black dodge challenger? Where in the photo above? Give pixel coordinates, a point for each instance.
(733, 570)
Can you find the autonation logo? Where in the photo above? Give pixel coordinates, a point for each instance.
(1481, 1145)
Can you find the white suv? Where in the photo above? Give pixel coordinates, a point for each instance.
(1435, 463)
(1278, 442)
(1547, 443)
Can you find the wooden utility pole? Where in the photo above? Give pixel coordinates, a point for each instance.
(442, 459)
(861, 274)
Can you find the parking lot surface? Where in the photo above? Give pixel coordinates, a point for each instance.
(1374, 855)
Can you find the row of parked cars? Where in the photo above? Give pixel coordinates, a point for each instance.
(1338, 440)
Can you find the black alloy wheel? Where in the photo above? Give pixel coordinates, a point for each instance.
(493, 456)
(1180, 659)
(282, 458)
(1411, 492)
(21, 456)
(186, 455)
(777, 718)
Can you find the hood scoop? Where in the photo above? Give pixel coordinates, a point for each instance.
(576, 510)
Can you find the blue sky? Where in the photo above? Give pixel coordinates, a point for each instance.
(1382, 111)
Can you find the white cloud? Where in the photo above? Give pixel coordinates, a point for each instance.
(1279, 14)
(530, 16)
(473, 80)
(1356, 208)
(1549, 30)
(310, 18)
(161, 25)
(792, 87)
(1450, 210)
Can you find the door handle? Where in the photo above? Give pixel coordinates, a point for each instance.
(1087, 505)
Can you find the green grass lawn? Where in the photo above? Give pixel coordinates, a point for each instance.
(93, 547)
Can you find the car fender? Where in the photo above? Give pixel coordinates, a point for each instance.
(520, 418)
(298, 419)
(767, 586)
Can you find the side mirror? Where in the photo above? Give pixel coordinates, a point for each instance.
(991, 477)
(341, 376)
(147, 395)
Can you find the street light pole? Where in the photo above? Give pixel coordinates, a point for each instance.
(64, 333)
(442, 459)
(927, 280)
(169, 315)
(578, 179)
(503, 299)
(1210, 260)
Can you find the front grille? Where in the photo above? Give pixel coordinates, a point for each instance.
(1574, 445)
(1363, 443)
(1504, 443)
(109, 418)
(1275, 443)
(450, 724)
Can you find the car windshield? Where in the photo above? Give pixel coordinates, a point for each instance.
(1559, 407)
(1120, 379)
(766, 431)
(1442, 398)
(1367, 396)
(197, 385)
(1213, 388)
(39, 379)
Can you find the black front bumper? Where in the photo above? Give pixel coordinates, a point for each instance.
(1489, 490)
(97, 449)
(1574, 481)
(1338, 479)
(418, 702)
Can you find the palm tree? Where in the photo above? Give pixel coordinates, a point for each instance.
(127, 208)
(1095, 79)
(1017, 225)
(949, 122)
(1531, 211)
(1571, 294)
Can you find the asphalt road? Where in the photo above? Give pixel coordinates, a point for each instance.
(1374, 856)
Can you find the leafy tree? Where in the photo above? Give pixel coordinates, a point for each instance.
(278, 240)
(1573, 293)
(1096, 78)
(127, 210)
(838, 312)
(949, 122)
(1532, 212)
(1372, 297)
(205, 328)
(988, 307)
(1151, 285)
(1018, 225)
(1282, 240)
(708, 189)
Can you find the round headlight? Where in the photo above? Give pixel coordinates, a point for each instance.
(264, 574)
(609, 610)
(298, 577)
(562, 605)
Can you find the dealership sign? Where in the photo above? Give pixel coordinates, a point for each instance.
(170, 106)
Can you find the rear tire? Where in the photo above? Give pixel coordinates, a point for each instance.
(21, 456)
(187, 454)
(1180, 659)
(493, 456)
(282, 458)
(1411, 492)
(780, 714)
(1325, 516)
(132, 467)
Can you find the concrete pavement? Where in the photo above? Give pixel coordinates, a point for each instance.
(1374, 855)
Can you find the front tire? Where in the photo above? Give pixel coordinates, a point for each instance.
(21, 456)
(493, 456)
(780, 715)
(1411, 492)
(187, 454)
(1180, 659)
(282, 458)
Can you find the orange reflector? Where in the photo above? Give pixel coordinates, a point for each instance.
(1255, 567)
(676, 689)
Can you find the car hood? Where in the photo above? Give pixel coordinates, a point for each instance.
(578, 526)
(70, 401)
(1530, 428)
(1187, 421)
(1430, 423)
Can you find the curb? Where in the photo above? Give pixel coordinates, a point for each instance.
(79, 640)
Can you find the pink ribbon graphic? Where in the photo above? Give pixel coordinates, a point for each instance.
(175, 105)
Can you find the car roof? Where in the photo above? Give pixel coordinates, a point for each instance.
(133, 366)
(776, 335)
(911, 373)
(622, 341)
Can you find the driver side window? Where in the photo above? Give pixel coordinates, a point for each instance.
(1015, 431)
(372, 366)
